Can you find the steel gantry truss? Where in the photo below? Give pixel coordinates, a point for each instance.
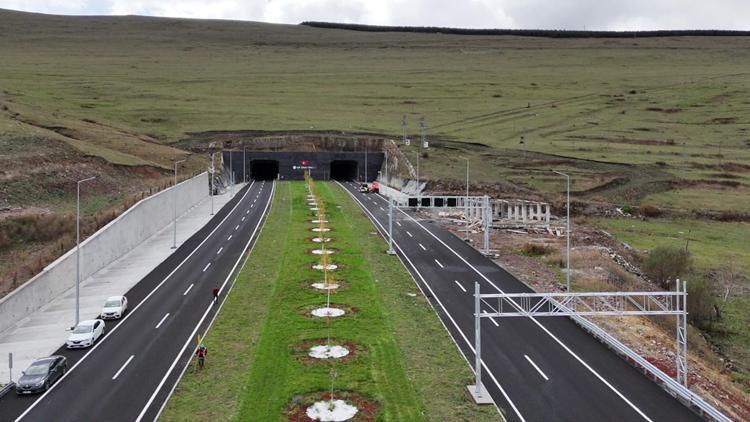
(478, 205)
(584, 304)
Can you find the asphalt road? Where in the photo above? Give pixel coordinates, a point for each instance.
(129, 374)
(536, 369)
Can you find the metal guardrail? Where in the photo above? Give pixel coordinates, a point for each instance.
(679, 391)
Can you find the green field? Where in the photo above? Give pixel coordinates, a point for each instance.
(676, 105)
(256, 368)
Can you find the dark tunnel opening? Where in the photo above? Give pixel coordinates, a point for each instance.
(344, 170)
(264, 169)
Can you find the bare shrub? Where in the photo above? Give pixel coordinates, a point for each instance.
(665, 264)
(535, 249)
(650, 211)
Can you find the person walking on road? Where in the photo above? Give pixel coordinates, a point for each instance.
(202, 352)
(216, 294)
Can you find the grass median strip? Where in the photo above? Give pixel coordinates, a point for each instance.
(402, 361)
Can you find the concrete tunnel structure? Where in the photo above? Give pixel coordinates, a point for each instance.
(323, 165)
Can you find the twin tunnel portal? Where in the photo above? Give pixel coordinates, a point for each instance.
(292, 165)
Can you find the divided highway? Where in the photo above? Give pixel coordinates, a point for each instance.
(536, 369)
(129, 373)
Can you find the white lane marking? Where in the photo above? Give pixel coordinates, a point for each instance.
(557, 340)
(398, 224)
(131, 312)
(192, 335)
(382, 209)
(438, 262)
(219, 251)
(422, 246)
(243, 218)
(469, 344)
(460, 286)
(188, 289)
(251, 205)
(536, 367)
(117, 374)
(248, 211)
(407, 232)
(492, 319)
(162, 320)
(206, 267)
(230, 237)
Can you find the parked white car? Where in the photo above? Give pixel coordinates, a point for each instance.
(85, 334)
(114, 307)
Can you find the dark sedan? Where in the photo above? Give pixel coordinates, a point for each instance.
(41, 374)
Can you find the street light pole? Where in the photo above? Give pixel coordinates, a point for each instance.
(567, 231)
(366, 161)
(244, 165)
(231, 175)
(211, 175)
(174, 201)
(78, 247)
(419, 152)
(466, 203)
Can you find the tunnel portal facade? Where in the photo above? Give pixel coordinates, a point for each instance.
(324, 165)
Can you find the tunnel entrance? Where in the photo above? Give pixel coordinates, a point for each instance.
(264, 169)
(343, 170)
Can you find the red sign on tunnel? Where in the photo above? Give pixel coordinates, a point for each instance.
(305, 162)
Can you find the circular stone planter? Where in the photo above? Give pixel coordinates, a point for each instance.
(334, 411)
(324, 287)
(325, 312)
(329, 267)
(322, 251)
(324, 351)
(319, 229)
(321, 239)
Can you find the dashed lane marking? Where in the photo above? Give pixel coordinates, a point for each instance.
(123, 367)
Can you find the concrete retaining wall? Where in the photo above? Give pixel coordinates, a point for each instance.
(112, 241)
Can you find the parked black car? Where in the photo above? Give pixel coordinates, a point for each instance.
(41, 374)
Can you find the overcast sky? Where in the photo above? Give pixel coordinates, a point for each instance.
(546, 14)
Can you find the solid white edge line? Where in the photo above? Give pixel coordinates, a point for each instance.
(206, 267)
(402, 257)
(557, 340)
(122, 368)
(422, 246)
(460, 286)
(162, 321)
(250, 245)
(536, 367)
(188, 289)
(131, 312)
(438, 262)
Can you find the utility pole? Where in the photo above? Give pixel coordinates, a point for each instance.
(244, 165)
(174, 200)
(78, 247)
(567, 231)
(366, 161)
